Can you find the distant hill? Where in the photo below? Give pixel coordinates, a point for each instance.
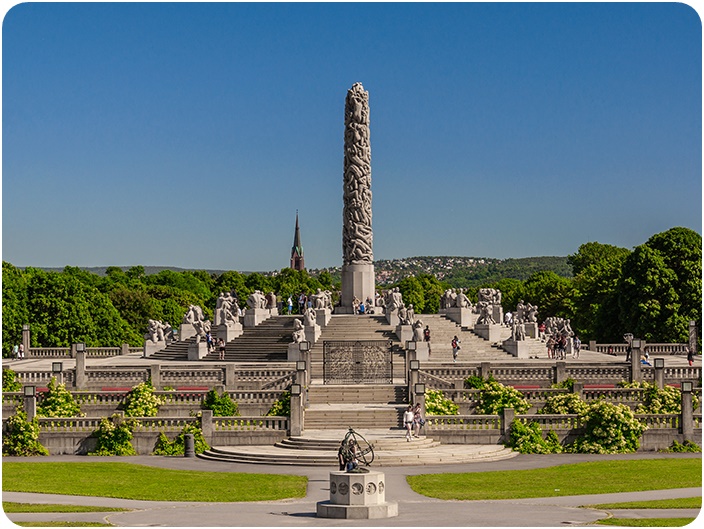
(457, 271)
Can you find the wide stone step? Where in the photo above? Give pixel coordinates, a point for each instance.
(417, 452)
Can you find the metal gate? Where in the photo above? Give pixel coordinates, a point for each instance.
(358, 362)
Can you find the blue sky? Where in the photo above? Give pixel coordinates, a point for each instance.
(188, 135)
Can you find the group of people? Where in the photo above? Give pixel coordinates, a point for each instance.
(362, 307)
(557, 346)
(413, 422)
(18, 352)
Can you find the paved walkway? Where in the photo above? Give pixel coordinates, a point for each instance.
(414, 509)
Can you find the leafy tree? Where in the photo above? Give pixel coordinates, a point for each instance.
(281, 406)
(565, 403)
(553, 294)
(177, 447)
(114, 438)
(527, 438)
(15, 311)
(437, 404)
(9, 381)
(597, 269)
(412, 292)
(63, 310)
(609, 429)
(648, 301)
(141, 401)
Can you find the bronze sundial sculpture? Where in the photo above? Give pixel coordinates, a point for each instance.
(356, 449)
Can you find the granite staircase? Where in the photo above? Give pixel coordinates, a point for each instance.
(267, 342)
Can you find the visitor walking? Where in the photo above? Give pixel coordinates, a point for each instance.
(16, 351)
(209, 341)
(418, 421)
(690, 357)
(576, 346)
(408, 422)
(20, 352)
(455, 348)
(341, 455)
(222, 348)
(289, 302)
(550, 344)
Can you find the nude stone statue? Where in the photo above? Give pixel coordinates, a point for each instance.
(298, 331)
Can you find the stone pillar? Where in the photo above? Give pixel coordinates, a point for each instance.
(485, 370)
(296, 425)
(507, 416)
(230, 377)
(206, 424)
(412, 381)
(155, 375)
(693, 346)
(125, 349)
(79, 378)
(592, 345)
(419, 398)
(578, 389)
(636, 375)
(686, 418)
(560, 371)
(30, 405)
(358, 260)
(357, 496)
(26, 339)
(659, 375)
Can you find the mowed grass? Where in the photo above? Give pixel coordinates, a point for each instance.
(14, 507)
(139, 482)
(598, 477)
(646, 522)
(674, 503)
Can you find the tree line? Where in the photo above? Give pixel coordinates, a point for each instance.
(652, 291)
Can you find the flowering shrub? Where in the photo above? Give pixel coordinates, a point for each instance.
(281, 407)
(58, 402)
(21, 437)
(566, 403)
(437, 404)
(527, 438)
(610, 429)
(495, 397)
(568, 383)
(9, 381)
(656, 400)
(164, 447)
(222, 405)
(114, 438)
(141, 401)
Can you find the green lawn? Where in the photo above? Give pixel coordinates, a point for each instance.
(646, 522)
(599, 477)
(139, 482)
(676, 503)
(12, 507)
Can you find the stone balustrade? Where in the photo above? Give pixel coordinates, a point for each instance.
(653, 348)
(92, 352)
(250, 423)
(462, 422)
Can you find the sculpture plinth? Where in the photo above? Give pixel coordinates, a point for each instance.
(360, 496)
(357, 282)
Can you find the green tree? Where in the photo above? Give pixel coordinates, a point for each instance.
(553, 294)
(15, 311)
(597, 271)
(648, 300)
(412, 292)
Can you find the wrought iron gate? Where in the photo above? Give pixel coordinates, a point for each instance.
(358, 362)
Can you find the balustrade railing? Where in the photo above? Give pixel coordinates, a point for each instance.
(463, 422)
(653, 348)
(250, 423)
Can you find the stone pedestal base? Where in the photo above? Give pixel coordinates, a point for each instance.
(498, 314)
(274, 311)
(423, 351)
(294, 353)
(518, 349)
(404, 334)
(312, 333)
(152, 347)
(488, 332)
(357, 496)
(197, 350)
(253, 317)
(392, 318)
(186, 331)
(227, 332)
(357, 281)
(531, 329)
(322, 317)
(465, 317)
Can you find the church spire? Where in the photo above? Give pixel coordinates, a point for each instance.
(297, 250)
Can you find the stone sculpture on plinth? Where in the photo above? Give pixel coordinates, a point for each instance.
(227, 321)
(157, 337)
(256, 309)
(195, 324)
(358, 260)
(356, 492)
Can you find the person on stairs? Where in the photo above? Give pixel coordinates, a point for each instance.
(408, 422)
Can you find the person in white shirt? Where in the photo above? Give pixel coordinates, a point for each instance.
(408, 422)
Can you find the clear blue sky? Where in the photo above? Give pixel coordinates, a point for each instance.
(188, 135)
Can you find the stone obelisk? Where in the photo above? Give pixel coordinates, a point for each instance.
(357, 256)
